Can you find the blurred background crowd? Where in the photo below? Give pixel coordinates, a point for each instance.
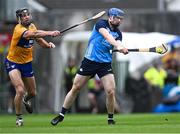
(145, 82)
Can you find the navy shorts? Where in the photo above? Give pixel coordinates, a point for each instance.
(25, 69)
(91, 68)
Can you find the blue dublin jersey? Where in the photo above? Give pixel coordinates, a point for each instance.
(99, 49)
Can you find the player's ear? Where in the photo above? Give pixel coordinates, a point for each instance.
(110, 18)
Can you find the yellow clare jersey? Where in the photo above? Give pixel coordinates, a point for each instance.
(155, 77)
(21, 49)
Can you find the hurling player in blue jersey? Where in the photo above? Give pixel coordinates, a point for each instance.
(97, 60)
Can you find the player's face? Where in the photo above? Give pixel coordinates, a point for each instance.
(116, 20)
(26, 19)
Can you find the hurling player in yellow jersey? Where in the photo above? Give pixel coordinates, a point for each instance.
(19, 58)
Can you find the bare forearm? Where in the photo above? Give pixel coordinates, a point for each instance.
(116, 43)
(112, 41)
(108, 37)
(40, 34)
(43, 43)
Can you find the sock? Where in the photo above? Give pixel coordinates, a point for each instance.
(63, 111)
(19, 116)
(27, 97)
(110, 116)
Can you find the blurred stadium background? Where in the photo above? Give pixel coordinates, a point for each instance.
(142, 16)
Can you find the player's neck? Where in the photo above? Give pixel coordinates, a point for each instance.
(111, 26)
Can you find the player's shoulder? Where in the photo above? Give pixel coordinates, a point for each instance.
(19, 27)
(32, 26)
(103, 21)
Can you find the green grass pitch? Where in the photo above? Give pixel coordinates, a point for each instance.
(91, 123)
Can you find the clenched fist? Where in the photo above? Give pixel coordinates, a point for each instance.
(55, 33)
(51, 45)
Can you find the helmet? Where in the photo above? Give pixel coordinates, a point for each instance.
(116, 12)
(22, 11)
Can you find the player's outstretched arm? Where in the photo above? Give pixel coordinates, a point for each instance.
(117, 44)
(44, 43)
(108, 37)
(40, 34)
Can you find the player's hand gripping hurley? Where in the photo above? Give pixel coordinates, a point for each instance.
(162, 49)
(100, 14)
